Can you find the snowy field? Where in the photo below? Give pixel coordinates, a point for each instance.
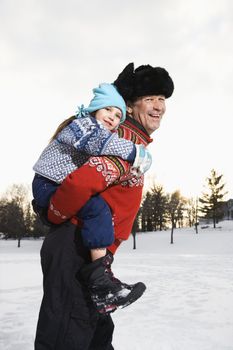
(188, 304)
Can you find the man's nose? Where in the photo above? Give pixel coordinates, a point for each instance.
(157, 105)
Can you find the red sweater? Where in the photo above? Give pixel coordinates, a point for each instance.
(110, 176)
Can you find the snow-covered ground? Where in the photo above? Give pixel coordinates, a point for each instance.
(188, 304)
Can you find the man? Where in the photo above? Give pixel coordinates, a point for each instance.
(67, 319)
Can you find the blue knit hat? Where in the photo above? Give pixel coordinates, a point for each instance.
(106, 95)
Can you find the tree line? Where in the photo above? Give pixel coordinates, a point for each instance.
(17, 219)
(158, 211)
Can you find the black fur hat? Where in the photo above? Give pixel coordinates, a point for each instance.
(143, 81)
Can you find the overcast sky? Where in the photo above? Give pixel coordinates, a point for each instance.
(54, 52)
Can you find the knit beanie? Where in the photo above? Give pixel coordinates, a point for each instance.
(143, 81)
(106, 95)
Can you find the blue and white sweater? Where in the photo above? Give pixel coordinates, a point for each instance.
(73, 146)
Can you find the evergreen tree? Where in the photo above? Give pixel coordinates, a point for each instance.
(159, 202)
(28, 219)
(38, 228)
(12, 220)
(146, 213)
(212, 198)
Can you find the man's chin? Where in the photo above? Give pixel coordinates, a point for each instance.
(155, 126)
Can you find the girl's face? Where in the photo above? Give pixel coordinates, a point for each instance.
(110, 117)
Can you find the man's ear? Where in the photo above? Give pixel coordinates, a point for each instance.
(129, 108)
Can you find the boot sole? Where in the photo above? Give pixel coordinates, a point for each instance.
(124, 301)
(134, 295)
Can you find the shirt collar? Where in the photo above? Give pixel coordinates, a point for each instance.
(135, 124)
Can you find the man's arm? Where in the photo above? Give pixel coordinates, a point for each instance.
(93, 177)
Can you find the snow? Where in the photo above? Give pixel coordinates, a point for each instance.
(188, 303)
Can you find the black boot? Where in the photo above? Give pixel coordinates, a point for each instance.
(107, 292)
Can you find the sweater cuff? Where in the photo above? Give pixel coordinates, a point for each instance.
(132, 155)
(112, 248)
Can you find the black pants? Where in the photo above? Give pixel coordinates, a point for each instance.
(67, 318)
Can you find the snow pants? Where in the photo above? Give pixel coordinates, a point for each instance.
(67, 319)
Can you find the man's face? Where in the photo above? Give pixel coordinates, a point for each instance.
(148, 111)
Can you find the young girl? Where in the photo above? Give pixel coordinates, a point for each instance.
(91, 132)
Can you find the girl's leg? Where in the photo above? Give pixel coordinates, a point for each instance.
(43, 189)
(107, 293)
(97, 230)
(98, 253)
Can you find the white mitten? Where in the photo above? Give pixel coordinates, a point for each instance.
(143, 160)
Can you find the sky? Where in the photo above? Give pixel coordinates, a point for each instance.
(53, 53)
(179, 310)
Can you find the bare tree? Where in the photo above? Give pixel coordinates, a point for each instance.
(135, 228)
(175, 210)
(192, 212)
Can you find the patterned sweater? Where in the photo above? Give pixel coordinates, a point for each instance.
(112, 178)
(75, 143)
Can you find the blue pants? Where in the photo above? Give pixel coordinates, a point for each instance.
(97, 230)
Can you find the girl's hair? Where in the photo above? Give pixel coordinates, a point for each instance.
(62, 126)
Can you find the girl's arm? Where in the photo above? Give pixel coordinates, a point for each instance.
(90, 137)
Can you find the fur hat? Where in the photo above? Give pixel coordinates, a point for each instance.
(143, 81)
(106, 95)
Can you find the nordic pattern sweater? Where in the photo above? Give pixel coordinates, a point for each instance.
(75, 143)
(112, 178)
